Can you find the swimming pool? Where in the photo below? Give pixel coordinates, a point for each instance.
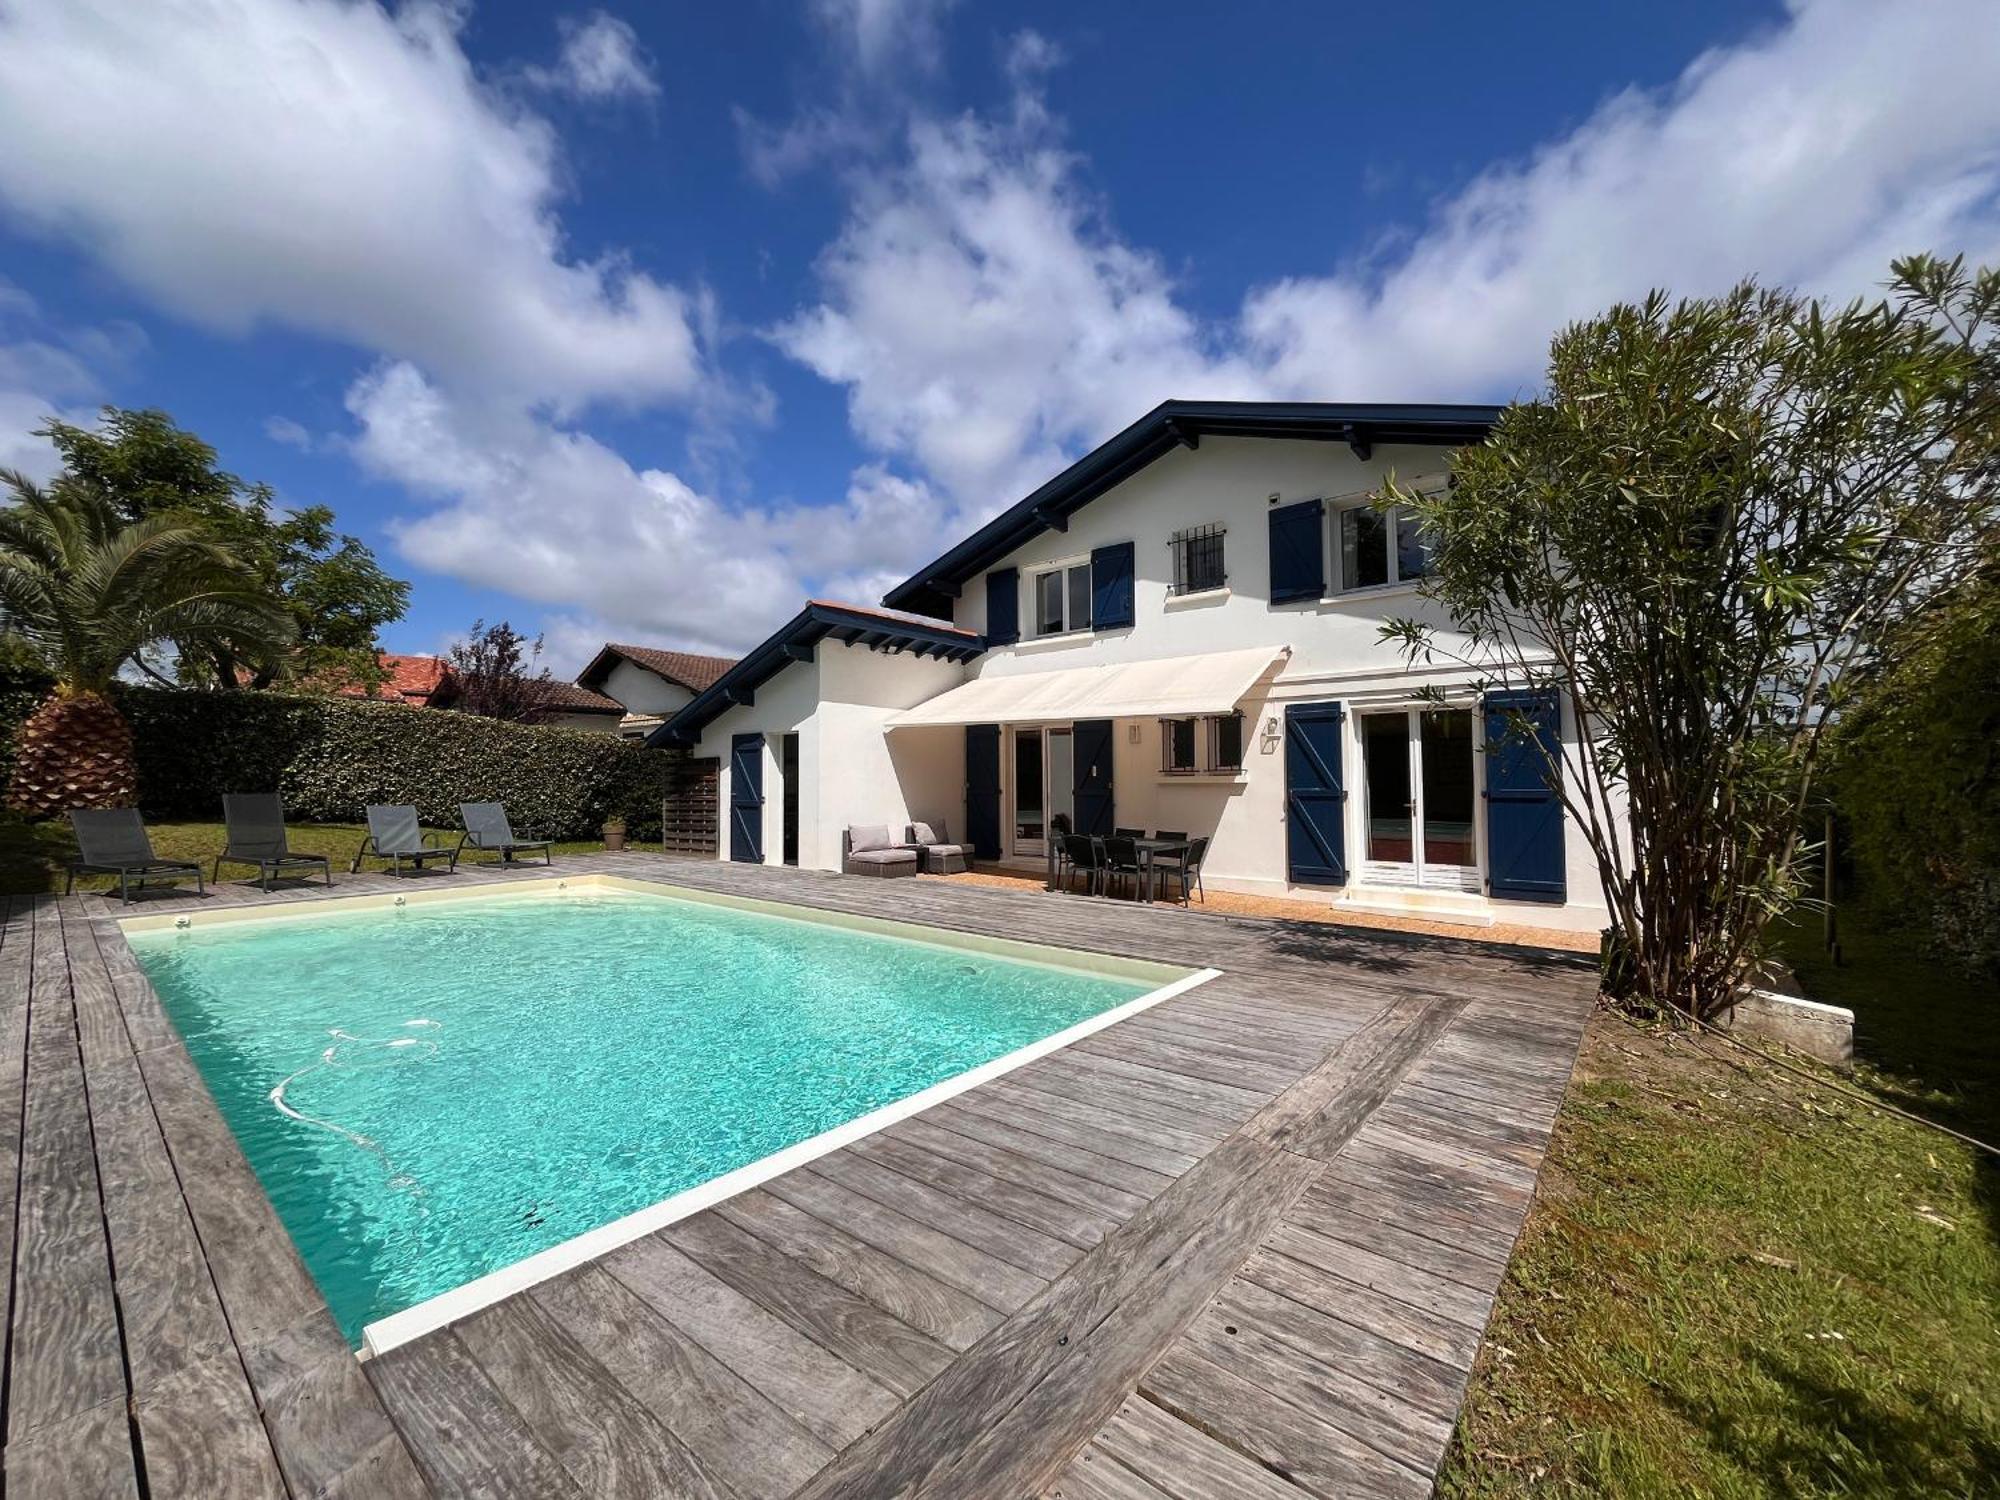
(436, 1090)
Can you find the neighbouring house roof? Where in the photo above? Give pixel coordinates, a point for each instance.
(415, 680)
(570, 698)
(1171, 425)
(855, 624)
(687, 669)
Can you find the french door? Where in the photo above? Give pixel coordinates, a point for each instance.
(1420, 788)
(1043, 791)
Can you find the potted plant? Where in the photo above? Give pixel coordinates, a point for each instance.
(614, 833)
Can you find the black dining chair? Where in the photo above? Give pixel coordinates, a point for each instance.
(1084, 856)
(1179, 834)
(1129, 833)
(1184, 868)
(1121, 857)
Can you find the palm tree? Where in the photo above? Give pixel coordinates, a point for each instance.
(88, 591)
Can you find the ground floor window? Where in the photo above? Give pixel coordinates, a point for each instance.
(1211, 743)
(1420, 797)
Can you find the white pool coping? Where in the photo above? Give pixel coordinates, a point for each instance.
(461, 1301)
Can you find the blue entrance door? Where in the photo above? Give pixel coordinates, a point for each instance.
(1315, 798)
(1090, 742)
(746, 798)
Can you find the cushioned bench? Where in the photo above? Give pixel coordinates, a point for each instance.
(866, 850)
(939, 855)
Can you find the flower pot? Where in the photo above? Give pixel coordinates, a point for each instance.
(614, 836)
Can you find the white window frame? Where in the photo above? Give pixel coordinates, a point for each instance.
(1340, 505)
(1035, 576)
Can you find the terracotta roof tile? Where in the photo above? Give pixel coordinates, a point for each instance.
(691, 670)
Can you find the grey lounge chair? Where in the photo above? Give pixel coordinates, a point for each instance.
(936, 853)
(256, 836)
(865, 850)
(112, 841)
(394, 835)
(487, 829)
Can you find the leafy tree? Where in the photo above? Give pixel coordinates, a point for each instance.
(86, 590)
(498, 674)
(1715, 512)
(336, 593)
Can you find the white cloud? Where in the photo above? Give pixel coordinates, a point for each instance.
(884, 34)
(551, 515)
(49, 369)
(988, 322)
(332, 168)
(601, 59)
(288, 432)
(1809, 156)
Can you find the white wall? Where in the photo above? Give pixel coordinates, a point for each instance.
(644, 692)
(852, 770)
(1337, 653)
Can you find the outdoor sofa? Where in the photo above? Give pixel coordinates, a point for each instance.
(865, 850)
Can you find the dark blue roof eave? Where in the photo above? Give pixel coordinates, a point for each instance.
(1173, 424)
(819, 620)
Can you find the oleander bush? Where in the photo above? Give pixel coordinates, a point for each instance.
(330, 757)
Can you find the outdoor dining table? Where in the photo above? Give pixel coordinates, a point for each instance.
(1148, 850)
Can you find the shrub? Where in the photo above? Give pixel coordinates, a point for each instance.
(1916, 778)
(330, 757)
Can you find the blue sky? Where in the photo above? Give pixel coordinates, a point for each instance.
(643, 322)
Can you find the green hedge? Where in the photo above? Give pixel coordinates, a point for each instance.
(1916, 781)
(332, 756)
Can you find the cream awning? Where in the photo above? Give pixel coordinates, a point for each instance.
(1176, 688)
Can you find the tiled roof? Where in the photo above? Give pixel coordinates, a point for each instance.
(573, 699)
(690, 669)
(413, 679)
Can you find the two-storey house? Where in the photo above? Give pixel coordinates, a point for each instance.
(1179, 631)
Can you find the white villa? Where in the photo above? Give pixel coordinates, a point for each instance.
(1179, 631)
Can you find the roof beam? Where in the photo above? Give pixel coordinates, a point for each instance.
(1183, 434)
(798, 650)
(1359, 441)
(737, 693)
(1052, 518)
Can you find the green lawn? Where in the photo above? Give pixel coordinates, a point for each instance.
(32, 855)
(1735, 1284)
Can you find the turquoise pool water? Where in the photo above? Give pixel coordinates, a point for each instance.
(432, 1092)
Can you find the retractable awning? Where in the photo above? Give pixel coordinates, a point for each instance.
(1175, 688)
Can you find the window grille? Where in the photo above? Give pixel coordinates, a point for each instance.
(1197, 555)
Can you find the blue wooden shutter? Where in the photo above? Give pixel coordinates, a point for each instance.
(1091, 800)
(1524, 817)
(982, 789)
(1315, 798)
(1003, 606)
(1298, 552)
(1111, 586)
(746, 798)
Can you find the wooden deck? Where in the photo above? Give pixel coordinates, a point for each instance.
(1242, 1244)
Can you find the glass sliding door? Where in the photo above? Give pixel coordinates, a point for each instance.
(1391, 809)
(1420, 773)
(1061, 782)
(1029, 784)
(1445, 751)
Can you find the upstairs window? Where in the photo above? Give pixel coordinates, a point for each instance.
(1062, 599)
(1212, 743)
(1197, 558)
(1378, 548)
